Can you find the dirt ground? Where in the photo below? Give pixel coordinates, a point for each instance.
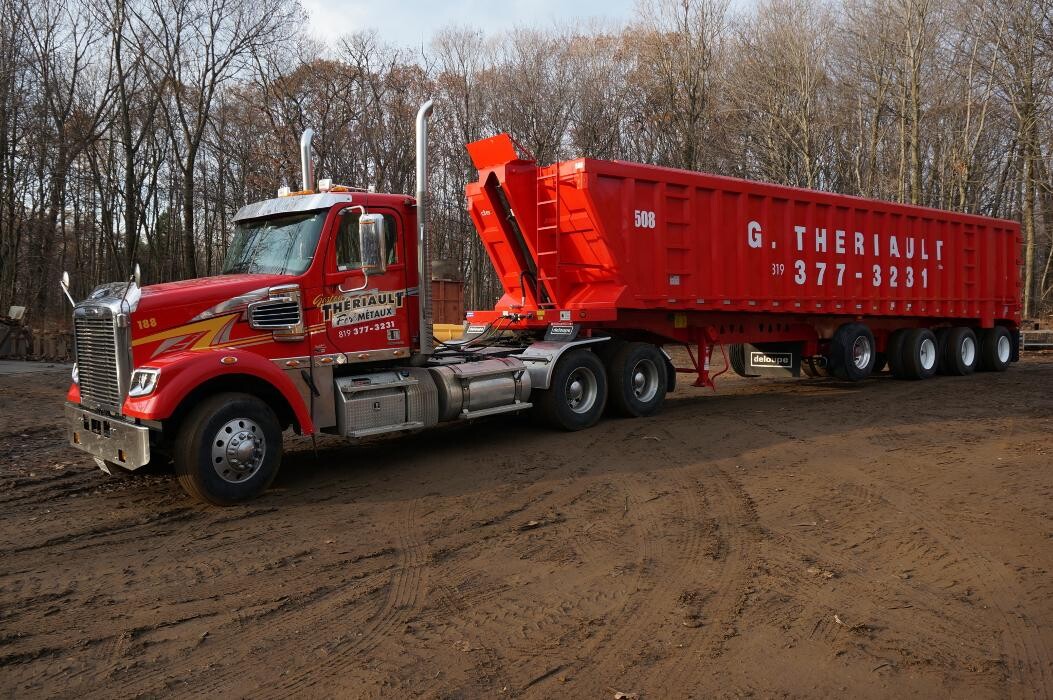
(777, 538)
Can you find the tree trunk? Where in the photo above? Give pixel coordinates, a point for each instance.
(189, 252)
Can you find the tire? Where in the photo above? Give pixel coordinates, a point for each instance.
(961, 352)
(566, 406)
(894, 353)
(880, 362)
(920, 354)
(852, 352)
(996, 349)
(228, 449)
(637, 377)
(737, 359)
(815, 366)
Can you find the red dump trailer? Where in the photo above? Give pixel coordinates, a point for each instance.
(785, 276)
(323, 317)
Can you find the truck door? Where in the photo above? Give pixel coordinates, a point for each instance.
(365, 311)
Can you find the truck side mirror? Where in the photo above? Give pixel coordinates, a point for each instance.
(373, 242)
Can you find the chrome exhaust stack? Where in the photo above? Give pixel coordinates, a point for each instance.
(427, 344)
(306, 164)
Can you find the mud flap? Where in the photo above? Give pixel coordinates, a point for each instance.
(773, 359)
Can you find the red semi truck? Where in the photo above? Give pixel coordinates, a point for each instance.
(321, 318)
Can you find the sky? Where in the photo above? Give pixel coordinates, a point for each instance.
(411, 23)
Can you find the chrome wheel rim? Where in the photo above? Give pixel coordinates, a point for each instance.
(1004, 349)
(238, 450)
(645, 381)
(582, 390)
(968, 351)
(927, 354)
(861, 352)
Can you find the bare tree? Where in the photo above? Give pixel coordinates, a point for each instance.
(196, 47)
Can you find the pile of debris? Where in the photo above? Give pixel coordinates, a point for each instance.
(19, 342)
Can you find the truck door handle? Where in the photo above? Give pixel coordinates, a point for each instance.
(365, 283)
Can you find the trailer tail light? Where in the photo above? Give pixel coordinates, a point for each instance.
(281, 313)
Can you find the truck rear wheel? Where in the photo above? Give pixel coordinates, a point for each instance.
(852, 352)
(960, 352)
(637, 379)
(920, 354)
(996, 349)
(577, 393)
(228, 449)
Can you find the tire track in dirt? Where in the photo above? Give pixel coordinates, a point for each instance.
(1029, 639)
(404, 593)
(931, 540)
(707, 506)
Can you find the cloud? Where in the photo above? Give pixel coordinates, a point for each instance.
(413, 22)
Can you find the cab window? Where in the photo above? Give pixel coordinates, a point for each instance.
(348, 255)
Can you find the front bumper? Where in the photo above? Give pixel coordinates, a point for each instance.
(107, 438)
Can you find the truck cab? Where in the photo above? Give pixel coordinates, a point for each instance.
(319, 321)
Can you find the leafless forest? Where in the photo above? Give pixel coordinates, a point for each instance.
(130, 131)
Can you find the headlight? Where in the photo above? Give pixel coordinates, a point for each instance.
(76, 375)
(144, 381)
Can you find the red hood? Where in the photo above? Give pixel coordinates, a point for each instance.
(203, 292)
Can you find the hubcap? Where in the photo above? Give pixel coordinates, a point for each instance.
(861, 352)
(645, 381)
(581, 390)
(238, 449)
(928, 354)
(1004, 349)
(968, 351)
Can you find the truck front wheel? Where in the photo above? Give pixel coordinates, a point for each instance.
(577, 392)
(637, 379)
(228, 449)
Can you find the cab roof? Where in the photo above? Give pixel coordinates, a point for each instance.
(314, 202)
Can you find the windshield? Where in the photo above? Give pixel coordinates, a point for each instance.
(281, 245)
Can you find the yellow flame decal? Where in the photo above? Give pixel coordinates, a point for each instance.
(209, 329)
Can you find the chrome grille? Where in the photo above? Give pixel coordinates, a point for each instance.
(276, 315)
(98, 374)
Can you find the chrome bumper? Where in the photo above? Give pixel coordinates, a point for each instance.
(107, 438)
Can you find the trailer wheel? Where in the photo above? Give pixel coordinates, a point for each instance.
(852, 352)
(894, 353)
(920, 354)
(815, 366)
(737, 358)
(960, 352)
(228, 449)
(577, 393)
(637, 379)
(996, 349)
